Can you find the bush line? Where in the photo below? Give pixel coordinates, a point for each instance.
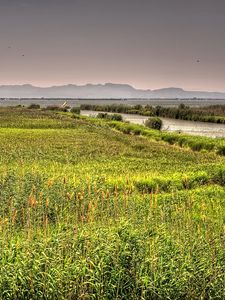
(182, 140)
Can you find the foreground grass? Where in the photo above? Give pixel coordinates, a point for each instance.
(87, 212)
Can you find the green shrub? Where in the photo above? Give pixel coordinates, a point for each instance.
(115, 117)
(75, 110)
(34, 106)
(111, 117)
(221, 150)
(154, 123)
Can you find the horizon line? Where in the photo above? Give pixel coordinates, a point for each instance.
(105, 83)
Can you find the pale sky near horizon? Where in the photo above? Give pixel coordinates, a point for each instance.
(145, 43)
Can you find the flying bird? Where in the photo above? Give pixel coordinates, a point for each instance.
(198, 60)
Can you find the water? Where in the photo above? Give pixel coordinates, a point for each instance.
(172, 125)
(190, 127)
(77, 102)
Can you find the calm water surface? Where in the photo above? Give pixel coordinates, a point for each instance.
(172, 125)
(76, 102)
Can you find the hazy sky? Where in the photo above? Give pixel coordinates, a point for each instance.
(146, 43)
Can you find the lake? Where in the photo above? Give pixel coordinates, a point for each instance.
(77, 102)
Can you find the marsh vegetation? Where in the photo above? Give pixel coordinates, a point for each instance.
(100, 209)
(212, 113)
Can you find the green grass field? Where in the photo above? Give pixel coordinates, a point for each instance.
(89, 212)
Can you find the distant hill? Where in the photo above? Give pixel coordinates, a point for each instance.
(108, 90)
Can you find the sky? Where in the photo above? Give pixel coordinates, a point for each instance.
(149, 44)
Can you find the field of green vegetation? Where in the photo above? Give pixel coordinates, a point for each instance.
(96, 209)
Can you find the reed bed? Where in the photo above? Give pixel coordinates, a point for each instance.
(87, 212)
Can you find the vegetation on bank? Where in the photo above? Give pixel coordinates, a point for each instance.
(214, 114)
(62, 108)
(88, 212)
(75, 110)
(195, 143)
(154, 123)
(111, 117)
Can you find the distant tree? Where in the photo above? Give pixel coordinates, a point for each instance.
(34, 106)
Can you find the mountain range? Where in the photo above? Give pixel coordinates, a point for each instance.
(97, 91)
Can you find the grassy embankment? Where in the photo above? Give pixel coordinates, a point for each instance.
(88, 212)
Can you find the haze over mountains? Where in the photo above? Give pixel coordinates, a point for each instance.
(98, 91)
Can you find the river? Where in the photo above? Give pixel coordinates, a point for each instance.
(172, 125)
